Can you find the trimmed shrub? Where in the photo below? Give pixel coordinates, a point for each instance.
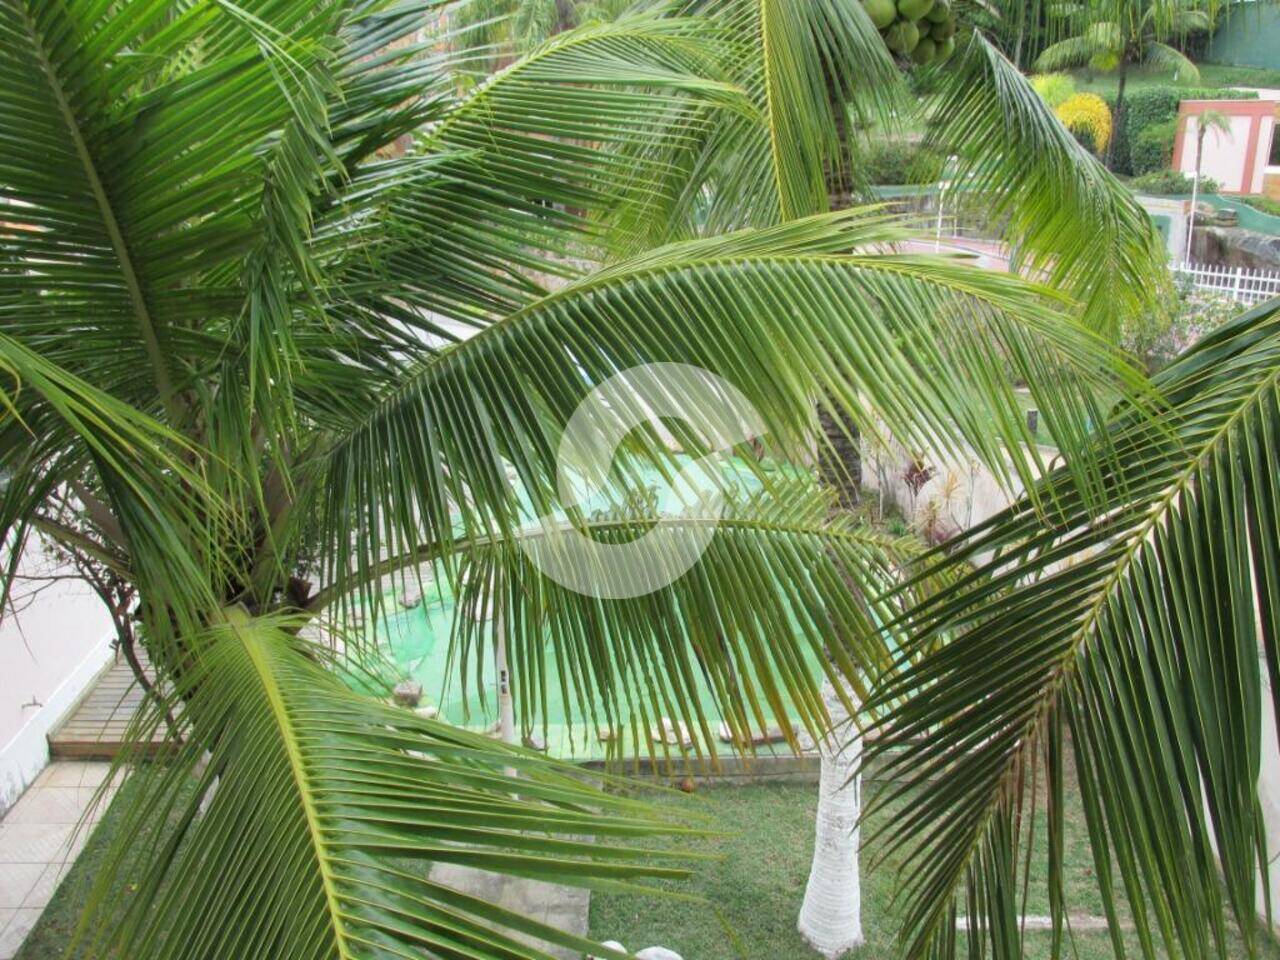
(1168, 182)
(1088, 117)
(1054, 88)
(1153, 148)
(901, 162)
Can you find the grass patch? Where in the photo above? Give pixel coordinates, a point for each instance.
(754, 891)
(1211, 75)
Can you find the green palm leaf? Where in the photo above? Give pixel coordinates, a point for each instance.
(782, 313)
(1137, 628)
(316, 813)
(1068, 219)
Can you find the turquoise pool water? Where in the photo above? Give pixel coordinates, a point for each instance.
(415, 644)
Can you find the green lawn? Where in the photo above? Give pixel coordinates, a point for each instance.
(1211, 75)
(754, 892)
(752, 889)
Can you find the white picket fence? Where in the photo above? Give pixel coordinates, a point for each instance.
(1244, 286)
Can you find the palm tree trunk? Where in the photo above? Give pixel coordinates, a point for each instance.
(831, 916)
(840, 461)
(840, 458)
(1118, 131)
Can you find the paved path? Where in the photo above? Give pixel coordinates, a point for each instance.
(97, 727)
(565, 908)
(40, 837)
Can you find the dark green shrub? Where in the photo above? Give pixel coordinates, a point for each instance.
(1149, 106)
(899, 162)
(1168, 182)
(1152, 148)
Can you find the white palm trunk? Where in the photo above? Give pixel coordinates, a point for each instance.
(831, 916)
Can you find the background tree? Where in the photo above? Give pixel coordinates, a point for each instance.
(1114, 35)
(1020, 28)
(831, 914)
(502, 29)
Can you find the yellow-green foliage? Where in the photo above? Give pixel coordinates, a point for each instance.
(1089, 118)
(1054, 88)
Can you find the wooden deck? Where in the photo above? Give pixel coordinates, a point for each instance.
(98, 727)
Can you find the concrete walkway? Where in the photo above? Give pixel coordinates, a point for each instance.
(98, 728)
(40, 838)
(565, 908)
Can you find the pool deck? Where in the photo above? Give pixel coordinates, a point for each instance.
(40, 838)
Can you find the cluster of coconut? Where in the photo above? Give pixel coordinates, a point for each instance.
(923, 30)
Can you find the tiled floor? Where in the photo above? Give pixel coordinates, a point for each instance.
(40, 837)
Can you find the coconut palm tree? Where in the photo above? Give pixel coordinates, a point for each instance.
(1129, 645)
(1114, 35)
(831, 914)
(273, 358)
(1019, 27)
(503, 28)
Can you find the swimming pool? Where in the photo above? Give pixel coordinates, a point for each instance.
(415, 644)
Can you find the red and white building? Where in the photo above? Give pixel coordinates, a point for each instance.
(1245, 159)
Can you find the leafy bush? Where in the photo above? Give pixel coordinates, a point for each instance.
(1153, 147)
(1167, 182)
(1088, 117)
(1054, 88)
(1181, 321)
(1149, 106)
(899, 162)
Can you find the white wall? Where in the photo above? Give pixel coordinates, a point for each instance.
(1224, 153)
(52, 646)
(962, 492)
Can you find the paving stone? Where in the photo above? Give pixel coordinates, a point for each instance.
(565, 908)
(40, 838)
(95, 773)
(59, 775)
(16, 930)
(47, 885)
(17, 880)
(35, 842)
(48, 805)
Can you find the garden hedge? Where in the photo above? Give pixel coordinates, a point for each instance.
(1152, 148)
(1150, 106)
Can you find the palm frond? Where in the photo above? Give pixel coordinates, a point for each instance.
(783, 314)
(301, 819)
(1067, 219)
(804, 63)
(778, 599)
(1137, 628)
(1072, 52)
(1167, 58)
(84, 116)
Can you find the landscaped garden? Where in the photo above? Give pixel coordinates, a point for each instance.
(441, 395)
